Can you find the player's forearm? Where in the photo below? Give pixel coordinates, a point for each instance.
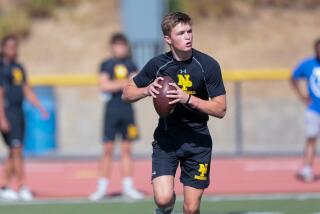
(2, 114)
(297, 90)
(32, 98)
(131, 93)
(213, 107)
(113, 86)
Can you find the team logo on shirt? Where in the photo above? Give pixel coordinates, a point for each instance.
(185, 83)
(17, 76)
(203, 170)
(183, 71)
(120, 72)
(315, 81)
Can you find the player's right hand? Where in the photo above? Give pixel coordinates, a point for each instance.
(4, 125)
(306, 100)
(152, 89)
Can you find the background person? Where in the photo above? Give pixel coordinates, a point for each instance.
(14, 88)
(118, 119)
(309, 70)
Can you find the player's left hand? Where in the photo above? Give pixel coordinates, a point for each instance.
(178, 95)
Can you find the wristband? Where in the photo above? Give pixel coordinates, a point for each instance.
(189, 98)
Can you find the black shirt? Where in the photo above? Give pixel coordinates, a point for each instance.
(118, 69)
(12, 79)
(199, 76)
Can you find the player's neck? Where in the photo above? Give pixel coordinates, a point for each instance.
(6, 60)
(181, 55)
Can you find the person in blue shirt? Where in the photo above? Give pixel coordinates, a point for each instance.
(118, 118)
(309, 70)
(14, 88)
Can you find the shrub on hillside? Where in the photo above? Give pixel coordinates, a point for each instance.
(226, 8)
(16, 15)
(67, 2)
(45, 8)
(287, 3)
(40, 8)
(16, 22)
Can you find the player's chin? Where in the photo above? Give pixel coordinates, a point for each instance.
(187, 48)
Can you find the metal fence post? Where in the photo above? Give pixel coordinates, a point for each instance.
(238, 119)
(143, 27)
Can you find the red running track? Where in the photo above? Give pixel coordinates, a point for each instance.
(56, 179)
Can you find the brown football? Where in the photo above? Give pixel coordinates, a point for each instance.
(161, 102)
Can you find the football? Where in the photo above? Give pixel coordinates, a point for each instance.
(161, 102)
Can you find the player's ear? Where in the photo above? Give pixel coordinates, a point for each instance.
(167, 39)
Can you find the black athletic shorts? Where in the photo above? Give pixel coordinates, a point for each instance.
(14, 138)
(192, 150)
(119, 121)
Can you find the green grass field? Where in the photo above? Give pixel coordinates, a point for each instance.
(230, 206)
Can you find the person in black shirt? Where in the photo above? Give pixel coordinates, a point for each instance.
(183, 137)
(119, 117)
(13, 88)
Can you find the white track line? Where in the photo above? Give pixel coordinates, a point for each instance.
(263, 213)
(252, 197)
(304, 196)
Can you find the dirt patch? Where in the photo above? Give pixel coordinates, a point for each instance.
(75, 40)
(268, 39)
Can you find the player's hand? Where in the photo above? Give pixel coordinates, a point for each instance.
(44, 114)
(4, 125)
(152, 89)
(306, 100)
(178, 95)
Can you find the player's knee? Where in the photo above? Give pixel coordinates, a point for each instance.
(10, 154)
(311, 141)
(191, 208)
(107, 153)
(108, 150)
(16, 152)
(163, 200)
(126, 152)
